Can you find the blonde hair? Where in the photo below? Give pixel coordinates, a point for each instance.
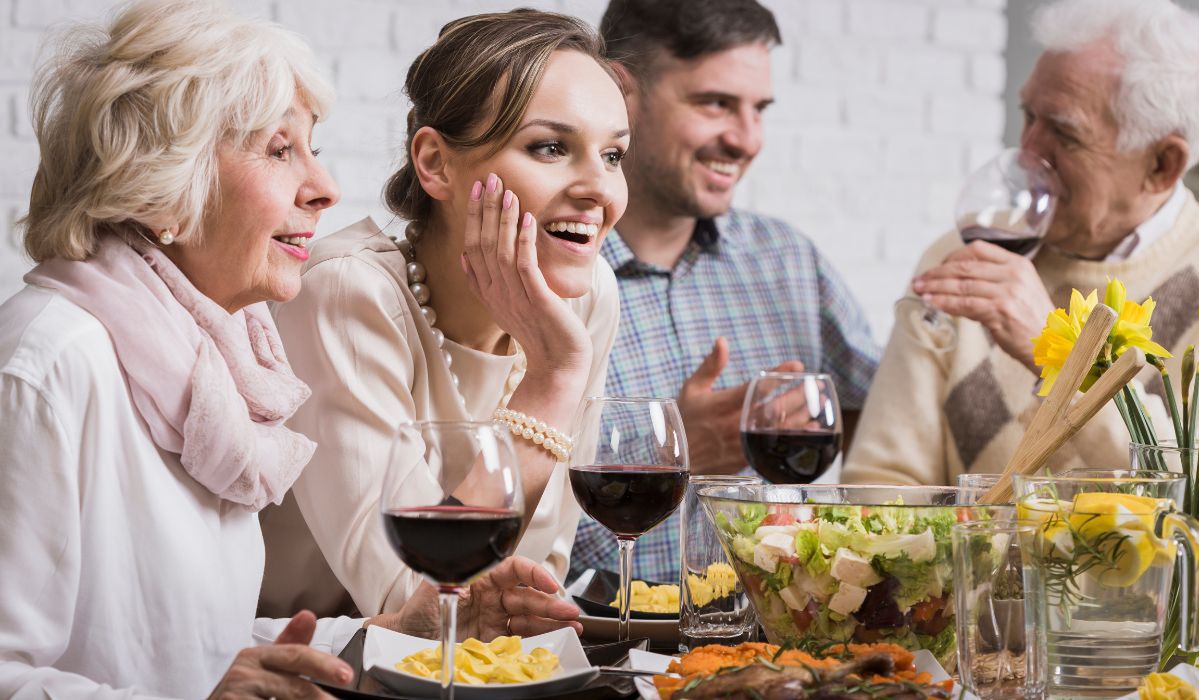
(129, 117)
(478, 61)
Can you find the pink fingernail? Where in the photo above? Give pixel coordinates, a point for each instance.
(477, 191)
(492, 180)
(527, 220)
(507, 198)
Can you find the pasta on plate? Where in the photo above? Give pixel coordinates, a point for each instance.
(477, 663)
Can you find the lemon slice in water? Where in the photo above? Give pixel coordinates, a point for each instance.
(1120, 528)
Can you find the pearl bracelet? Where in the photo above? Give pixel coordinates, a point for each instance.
(525, 426)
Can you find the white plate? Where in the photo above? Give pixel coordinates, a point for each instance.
(384, 649)
(665, 632)
(604, 628)
(648, 661)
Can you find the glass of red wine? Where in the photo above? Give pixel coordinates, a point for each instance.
(628, 470)
(791, 426)
(452, 506)
(1009, 202)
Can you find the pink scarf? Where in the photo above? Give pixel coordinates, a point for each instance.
(213, 387)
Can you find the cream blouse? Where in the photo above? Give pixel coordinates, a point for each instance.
(355, 334)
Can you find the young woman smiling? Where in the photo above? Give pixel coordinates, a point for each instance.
(494, 298)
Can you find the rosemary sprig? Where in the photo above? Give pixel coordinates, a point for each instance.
(1062, 572)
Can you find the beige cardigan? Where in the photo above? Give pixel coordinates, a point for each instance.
(933, 415)
(356, 335)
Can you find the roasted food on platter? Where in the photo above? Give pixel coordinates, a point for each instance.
(754, 671)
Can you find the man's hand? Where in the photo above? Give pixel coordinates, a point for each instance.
(283, 669)
(516, 597)
(1000, 290)
(712, 418)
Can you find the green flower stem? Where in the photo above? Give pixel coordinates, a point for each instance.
(1137, 413)
(1133, 431)
(1190, 431)
(1175, 414)
(1188, 375)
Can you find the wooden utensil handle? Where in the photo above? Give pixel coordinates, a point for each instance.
(1102, 391)
(1076, 367)
(1074, 371)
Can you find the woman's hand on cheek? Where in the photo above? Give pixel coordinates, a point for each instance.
(500, 263)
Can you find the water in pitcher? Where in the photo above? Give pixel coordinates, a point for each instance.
(1100, 584)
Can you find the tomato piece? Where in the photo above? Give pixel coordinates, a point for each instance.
(934, 626)
(929, 617)
(927, 610)
(779, 519)
(802, 619)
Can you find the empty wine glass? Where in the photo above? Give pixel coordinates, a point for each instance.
(452, 506)
(628, 471)
(791, 426)
(1009, 202)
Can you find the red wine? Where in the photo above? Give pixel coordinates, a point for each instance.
(628, 500)
(790, 456)
(452, 544)
(1020, 246)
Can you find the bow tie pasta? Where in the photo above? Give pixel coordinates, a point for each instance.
(476, 663)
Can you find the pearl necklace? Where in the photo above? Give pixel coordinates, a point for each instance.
(416, 276)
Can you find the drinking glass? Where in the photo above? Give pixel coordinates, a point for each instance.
(791, 426)
(713, 607)
(1167, 456)
(628, 471)
(1009, 201)
(1098, 568)
(975, 486)
(452, 506)
(999, 653)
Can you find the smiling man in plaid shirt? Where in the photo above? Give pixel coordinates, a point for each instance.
(709, 296)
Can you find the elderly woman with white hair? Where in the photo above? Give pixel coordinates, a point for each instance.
(143, 388)
(1113, 106)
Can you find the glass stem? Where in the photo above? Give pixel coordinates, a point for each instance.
(448, 596)
(625, 544)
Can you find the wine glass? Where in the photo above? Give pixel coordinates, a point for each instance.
(628, 470)
(791, 426)
(452, 506)
(1009, 202)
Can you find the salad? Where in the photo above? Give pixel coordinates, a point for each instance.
(824, 574)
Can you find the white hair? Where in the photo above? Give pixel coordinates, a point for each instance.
(1158, 44)
(129, 117)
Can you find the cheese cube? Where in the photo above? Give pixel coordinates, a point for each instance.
(788, 530)
(772, 547)
(847, 599)
(853, 568)
(795, 597)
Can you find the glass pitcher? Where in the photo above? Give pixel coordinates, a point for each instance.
(1098, 569)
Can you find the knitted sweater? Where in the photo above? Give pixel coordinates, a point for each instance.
(932, 415)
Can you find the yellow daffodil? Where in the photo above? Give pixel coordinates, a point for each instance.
(1062, 329)
(1132, 328)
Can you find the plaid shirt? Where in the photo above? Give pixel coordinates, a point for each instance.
(764, 287)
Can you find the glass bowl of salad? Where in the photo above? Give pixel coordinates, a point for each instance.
(824, 565)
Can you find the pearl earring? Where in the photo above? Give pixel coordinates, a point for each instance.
(166, 237)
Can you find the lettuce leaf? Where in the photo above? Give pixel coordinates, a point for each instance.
(750, 517)
(943, 646)
(807, 550)
(918, 580)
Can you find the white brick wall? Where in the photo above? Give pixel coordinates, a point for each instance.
(882, 106)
